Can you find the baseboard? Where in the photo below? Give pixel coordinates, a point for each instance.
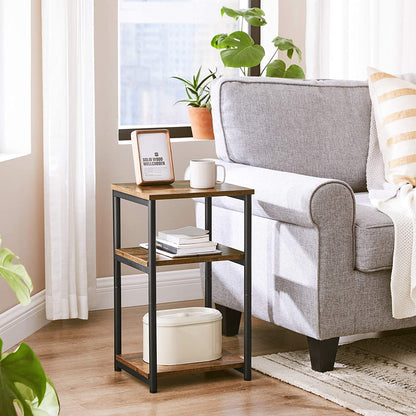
(19, 322)
(172, 286)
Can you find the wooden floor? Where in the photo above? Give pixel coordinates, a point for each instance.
(77, 356)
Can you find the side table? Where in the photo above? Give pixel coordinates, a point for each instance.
(147, 261)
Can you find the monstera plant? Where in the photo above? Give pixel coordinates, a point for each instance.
(238, 49)
(25, 390)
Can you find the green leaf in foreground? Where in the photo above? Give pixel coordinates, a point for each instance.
(240, 51)
(23, 381)
(50, 404)
(15, 275)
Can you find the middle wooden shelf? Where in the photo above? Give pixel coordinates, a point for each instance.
(139, 255)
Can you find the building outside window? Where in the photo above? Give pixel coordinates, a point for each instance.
(159, 39)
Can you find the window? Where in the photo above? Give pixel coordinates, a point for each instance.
(159, 39)
(15, 78)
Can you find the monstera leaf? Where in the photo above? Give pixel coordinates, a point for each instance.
(24, 384)
(253, 16)
(49, 405)
(16, 276)
(277, 69)
(284, 44)
(239, 50)
(217, 41)
(24, 388)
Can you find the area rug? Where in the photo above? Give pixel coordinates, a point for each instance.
(372, 377)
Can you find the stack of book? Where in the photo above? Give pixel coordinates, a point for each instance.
(185, 241)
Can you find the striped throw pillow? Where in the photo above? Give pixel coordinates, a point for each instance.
(394, 104)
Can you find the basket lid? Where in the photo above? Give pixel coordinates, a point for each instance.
(184, 316)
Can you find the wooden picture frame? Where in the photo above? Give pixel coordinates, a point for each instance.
(152, 156)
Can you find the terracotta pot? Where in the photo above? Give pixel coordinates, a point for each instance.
(201, 123)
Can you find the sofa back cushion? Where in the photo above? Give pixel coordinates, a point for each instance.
(312, 127)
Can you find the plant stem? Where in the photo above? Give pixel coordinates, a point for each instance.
(243, 71)
(275, 52)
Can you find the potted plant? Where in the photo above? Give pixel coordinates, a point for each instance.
(25, 390)
(199, 106)
(238, 49)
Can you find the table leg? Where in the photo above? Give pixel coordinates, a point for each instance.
(247, 287)
(117, 280)
(152, 296)
(208, 266)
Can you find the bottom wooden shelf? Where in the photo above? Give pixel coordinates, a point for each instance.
(135, 362)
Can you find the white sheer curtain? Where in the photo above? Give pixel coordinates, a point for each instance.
(69, 156)
(343, 37)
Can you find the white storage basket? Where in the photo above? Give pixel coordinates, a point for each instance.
(186, 335)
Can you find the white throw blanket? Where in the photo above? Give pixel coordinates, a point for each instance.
(399, 203)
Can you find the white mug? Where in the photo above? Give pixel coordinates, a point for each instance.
(204, 173)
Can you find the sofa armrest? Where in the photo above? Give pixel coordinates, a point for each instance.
(289, 197)
(303, 265)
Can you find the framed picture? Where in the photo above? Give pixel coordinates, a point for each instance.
(152, 155)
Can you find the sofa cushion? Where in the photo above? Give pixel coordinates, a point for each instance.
(394, 103)
(312, 127)
(374, 237)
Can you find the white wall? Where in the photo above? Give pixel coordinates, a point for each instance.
(292, 25)
(21, 187)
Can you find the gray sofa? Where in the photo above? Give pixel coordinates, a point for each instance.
(322, 255)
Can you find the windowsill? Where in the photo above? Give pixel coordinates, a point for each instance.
(175, 140)
(10, 156)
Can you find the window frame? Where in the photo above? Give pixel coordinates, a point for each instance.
(124, 134)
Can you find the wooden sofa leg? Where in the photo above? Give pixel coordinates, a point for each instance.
(230, 320)
(323, 353)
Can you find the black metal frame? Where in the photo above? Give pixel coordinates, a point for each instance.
(254, 32)
(151, 271)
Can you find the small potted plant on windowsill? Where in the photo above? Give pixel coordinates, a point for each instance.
(199, 105)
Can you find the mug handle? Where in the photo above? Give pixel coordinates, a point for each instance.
(223, 171)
